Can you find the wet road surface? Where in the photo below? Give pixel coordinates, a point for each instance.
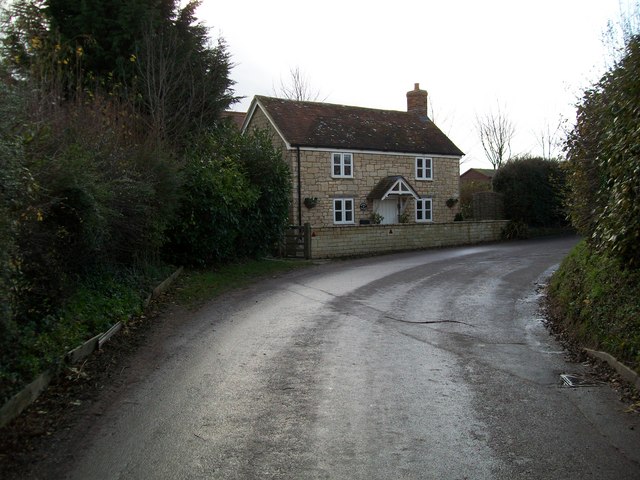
(424, 365)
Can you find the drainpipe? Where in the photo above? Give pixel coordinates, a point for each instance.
(299, 188)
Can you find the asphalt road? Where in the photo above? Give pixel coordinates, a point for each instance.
(427, 365)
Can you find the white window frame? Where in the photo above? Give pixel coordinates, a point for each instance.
(424, 172)
(420, 209)
(344, 162)
(340, 206)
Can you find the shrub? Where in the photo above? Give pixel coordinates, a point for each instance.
(532, 189)
(515, 230)
(100, 196)
(216, 197)
(271, 176)
(235, 199)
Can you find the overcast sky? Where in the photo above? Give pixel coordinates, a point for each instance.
(532, 59)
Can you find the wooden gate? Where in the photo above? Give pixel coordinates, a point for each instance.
(296, 242)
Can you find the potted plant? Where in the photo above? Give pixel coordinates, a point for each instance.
(376, 218)
(310, 202)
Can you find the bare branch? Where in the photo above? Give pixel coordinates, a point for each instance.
(549, 139)
(298, 87)
(496, 132)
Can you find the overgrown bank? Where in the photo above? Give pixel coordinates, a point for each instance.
(598, 303)
(116, 163)
(596, 292)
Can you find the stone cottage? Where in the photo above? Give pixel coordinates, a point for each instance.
(354, 166)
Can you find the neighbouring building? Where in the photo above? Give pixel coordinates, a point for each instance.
(479, 176)
(353, 165)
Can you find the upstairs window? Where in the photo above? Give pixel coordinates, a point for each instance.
(424, 168)
(424, 212)
(342, 165)
(343, 210)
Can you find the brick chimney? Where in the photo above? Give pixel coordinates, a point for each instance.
(417, 100)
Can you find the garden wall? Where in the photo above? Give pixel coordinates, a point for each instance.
(345, 241)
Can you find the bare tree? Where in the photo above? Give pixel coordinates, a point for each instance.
(496, 131)
(297, 87)
(183, 81)
(549, 139)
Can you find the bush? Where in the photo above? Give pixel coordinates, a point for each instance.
(267, 171)
(515, 230)
(216, 199)
(235, 199)
(532, 189)
(100, 196)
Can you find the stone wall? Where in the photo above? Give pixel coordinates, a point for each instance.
(329, 242)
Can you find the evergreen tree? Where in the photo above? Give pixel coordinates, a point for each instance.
(151, 53)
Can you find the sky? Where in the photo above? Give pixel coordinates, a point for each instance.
(532, 60)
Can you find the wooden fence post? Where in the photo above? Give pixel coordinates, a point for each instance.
(307, 241)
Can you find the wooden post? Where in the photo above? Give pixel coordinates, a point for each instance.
(307, 241)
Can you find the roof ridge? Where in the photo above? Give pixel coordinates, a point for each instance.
(330, 125)
(329, 104)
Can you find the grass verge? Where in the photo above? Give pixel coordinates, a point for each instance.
(598, 303)
(197, 286)
(98, 301)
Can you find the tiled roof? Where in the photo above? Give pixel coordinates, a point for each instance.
(325, 125)
(236, 118)
(488, 172)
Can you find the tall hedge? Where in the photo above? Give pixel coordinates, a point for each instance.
(234, 200)
(13, 186)
(532, 189)
(603, 153)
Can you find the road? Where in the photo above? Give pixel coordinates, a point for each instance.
(423, 365)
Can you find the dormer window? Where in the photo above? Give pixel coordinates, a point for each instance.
(342, 165)
(424, 168)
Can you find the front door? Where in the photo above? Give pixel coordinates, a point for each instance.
(388, 209)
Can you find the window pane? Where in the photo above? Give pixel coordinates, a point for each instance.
(336, 169)
(347, 158)
(427, 167)
(347, 170)
(348, 216)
